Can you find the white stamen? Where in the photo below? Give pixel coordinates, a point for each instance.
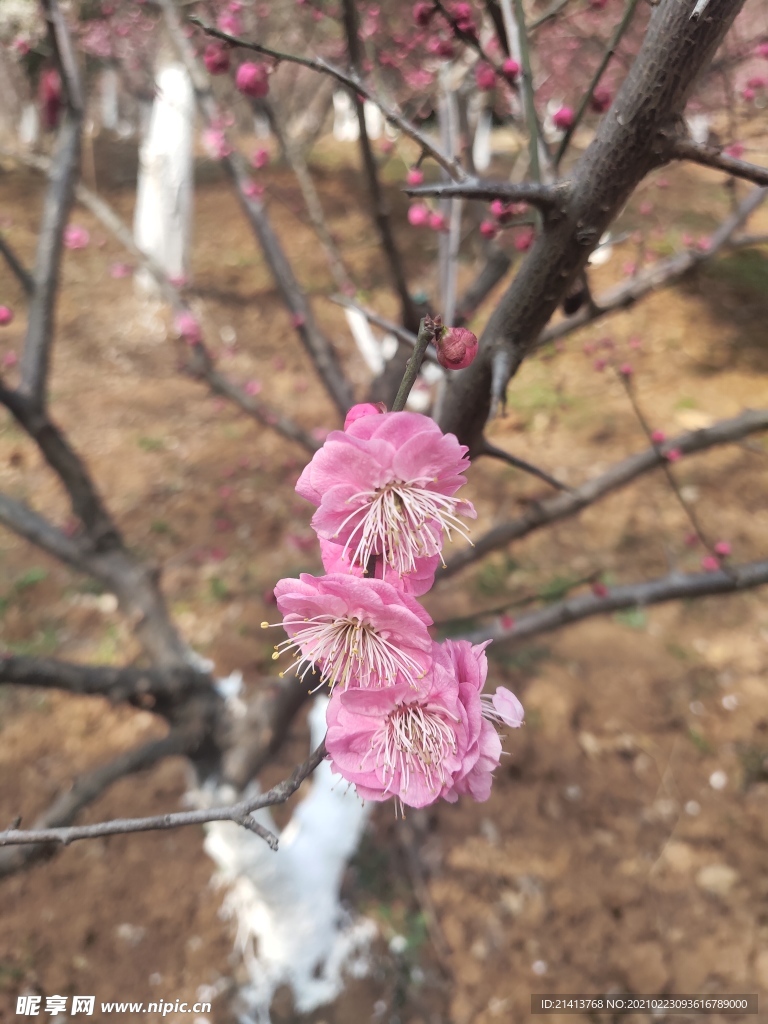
(346, 649)
(413, 739)
(401, 521)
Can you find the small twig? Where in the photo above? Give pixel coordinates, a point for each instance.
(527, 467)
(351, 82)
(24, 277)
(531, 117)
(626, 381)
(674, 587)
(427, 331)
(550, 13)
(239, 813)
(545, 197)
(621, 28)
(712, 156)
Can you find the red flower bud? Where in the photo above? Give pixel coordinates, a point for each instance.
(216, 59)
(252, 80)
(456, 347)
(485, 77)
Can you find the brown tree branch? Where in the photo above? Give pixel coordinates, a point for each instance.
(674, 587)
(619, 475)
(454, 169)
(35, 843)
(240, 813)
(713, 156)
(315, 343)
(630, 142)
(526, 467)
(35, 357)
(547, 198)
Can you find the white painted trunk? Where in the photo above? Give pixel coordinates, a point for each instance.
(292, 928)
(162, 221)
(29, 125)
(481, 146)
(345, 126)
(110, 106)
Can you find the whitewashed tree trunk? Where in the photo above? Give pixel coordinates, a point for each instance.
(345, 126)
(292, 928)
(109, 99)
(29, 126)
(162, 221)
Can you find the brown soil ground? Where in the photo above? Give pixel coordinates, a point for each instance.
(605, 858)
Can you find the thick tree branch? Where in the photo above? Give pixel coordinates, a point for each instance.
(564, 505)
(37, 530)
(35, 358)
(240, 813)
(713, 156)
(674, 587)
(547, 198)
(454, 169)
(141, 687)
(629, 143)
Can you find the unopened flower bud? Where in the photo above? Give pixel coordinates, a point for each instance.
(252, 80)
(456, 347)
(423, 12)
(601, 99)
(438, 222)
(418, 215)
(563, 118)
(357, 412)
(488, 229)
(6, 315)
(414, 176)
(511, 69)
(216, 59)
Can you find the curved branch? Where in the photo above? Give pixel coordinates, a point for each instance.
(674, 587)
(240, 812)
(564, 505)
(713, 156)
(454, 169)
(512, 460)
(21, 273)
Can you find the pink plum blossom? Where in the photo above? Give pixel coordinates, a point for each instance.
(710, 563)
(416, 583)
(6, 315)
(357, 412)
(252, 80)
(216, 59)
(456, 347)
(511, 69)
(414, 176)
(673, 455)
(76, 237)
(485, 76)
(658, 437)
(188, 328)
(488, 229)
(260, 158)
(722, 548)
(355, 632)
(507, 707)
(418, 215)
(384, 487)
(563, 118)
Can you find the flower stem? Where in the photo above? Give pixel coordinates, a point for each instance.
(427, 330)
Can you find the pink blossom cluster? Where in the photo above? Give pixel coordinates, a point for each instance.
(407, 717)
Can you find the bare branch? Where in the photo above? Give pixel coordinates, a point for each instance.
(35, 358)
(713, 156)
(547, 198)
(200, 364)
(31, 525)
(660, 275)
(564, 505)
(316, 344)
(453, 168)
(24, 277)
(527, 467)
(131, 684)
(239, 813)
(36, 842)
(621, 28)
(379, 205)
(674, 587)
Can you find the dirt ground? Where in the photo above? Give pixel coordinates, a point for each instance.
(624, 844)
